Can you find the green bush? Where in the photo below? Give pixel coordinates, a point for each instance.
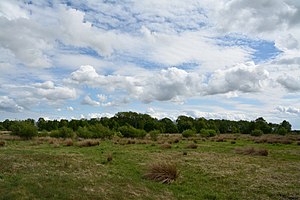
(208, 132)
(100, 131)
(154, 134)
(282, 131)
(256, 132)
(95, 131)
(188, 133)
(129, 131)
(24, 129)
(84, 132)
(63, 132)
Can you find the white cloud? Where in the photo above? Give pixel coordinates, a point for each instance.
(88, 101)
(290, 83)
(288, 110)
(9, 105)
(244, 78)
(70, 108)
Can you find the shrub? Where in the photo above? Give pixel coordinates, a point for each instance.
(84, 132)
(188, 133)
(208, 132)
(129, 131)
(233, 142)
(24, 129)
(282, 131)
(256, 132)
(154, 134)
(63, 132)
(162, 172)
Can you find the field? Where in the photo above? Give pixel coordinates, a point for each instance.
(223, 167)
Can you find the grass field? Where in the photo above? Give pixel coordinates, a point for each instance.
(46, 168)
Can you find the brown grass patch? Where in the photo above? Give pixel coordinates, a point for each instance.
(88, 143)
(68, 142)
(192, 146)
(166, 146)
(2, 143)
(162, 172)
(109, 157)
(252, 151)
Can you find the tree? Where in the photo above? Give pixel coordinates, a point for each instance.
(24, 129)
(285, 124)
(167, 126)
(184, 123)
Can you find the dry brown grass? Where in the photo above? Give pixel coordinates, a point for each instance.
(252, 151)
(109, 157)
(88, 143)
(192, 146)
(166, 146)
(2, 143)
(69, 142)
(162, 172)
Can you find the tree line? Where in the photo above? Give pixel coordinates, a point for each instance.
(133, 124)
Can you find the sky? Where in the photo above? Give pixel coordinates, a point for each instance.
(225, 59)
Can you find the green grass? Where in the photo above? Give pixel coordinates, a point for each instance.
(38, 170)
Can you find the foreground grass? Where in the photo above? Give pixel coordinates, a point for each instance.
(40, 169)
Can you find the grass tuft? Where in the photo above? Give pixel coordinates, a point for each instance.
(252, 151)
(88, 143)
(192, 146)
(109, 157)
(69, 142)
(2, 143)
(166, 146)
(162, 172)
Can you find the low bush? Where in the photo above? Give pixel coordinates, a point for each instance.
(154, 134)
(208, 132)
(257, 132)
(188, 133)
(63, 132)
(129, 131)
(162, 172)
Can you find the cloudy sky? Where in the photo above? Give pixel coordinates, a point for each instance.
(230, 59)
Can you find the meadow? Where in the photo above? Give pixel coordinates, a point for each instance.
(227, 166)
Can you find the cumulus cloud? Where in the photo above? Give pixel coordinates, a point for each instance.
(173, 84)
(292, 84)
(9, 105)
(244, 78)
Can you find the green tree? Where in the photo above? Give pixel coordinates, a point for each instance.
(24, 129)
(184, 123)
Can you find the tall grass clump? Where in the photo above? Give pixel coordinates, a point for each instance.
(252, 151)
(162, 172)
